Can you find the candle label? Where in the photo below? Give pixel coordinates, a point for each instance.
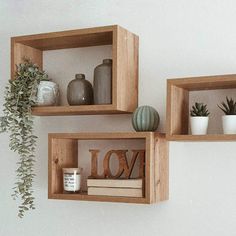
(71, 182)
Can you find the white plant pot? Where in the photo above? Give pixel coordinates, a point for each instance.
(199, 124)
(229, 124)
(48, 94)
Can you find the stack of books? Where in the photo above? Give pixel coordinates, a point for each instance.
(115, 187)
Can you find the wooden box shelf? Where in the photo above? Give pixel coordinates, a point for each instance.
(63, 152)
(124, 67)
(178, 105)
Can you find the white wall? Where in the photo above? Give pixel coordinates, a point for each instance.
(177, 38)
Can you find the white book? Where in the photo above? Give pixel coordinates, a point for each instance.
(115, 183)
(116, 192)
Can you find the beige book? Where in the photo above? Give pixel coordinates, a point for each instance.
(116, 192)
(115, 183)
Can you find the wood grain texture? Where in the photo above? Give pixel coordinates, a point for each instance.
(76, 110)
(85, 197)
(177, 110)
(203, 138)
(106, 163)
(156, 165)
(68, 39)
(20, 51)
(63, 153)
(124, 69)
(161, 169)
(157, 168)
(94, 164)
(206, 82)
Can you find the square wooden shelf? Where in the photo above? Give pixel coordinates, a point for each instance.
(124, 68)
(178, 105)
(63, 152)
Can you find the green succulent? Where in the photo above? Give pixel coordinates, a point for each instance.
(199, 109)
(229, 108)
(20, 96)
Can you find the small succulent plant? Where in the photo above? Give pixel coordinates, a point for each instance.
(229, 108)
(199, 109)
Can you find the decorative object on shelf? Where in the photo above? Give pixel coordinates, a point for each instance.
(72, 179)
(115, 187)
(80, 91)
(102, 83)
(124, 168)
(20, 96)
(229, 119)
(199, 119)
(145, 118)
(47, 94)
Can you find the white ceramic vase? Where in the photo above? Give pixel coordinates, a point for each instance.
(229, 124)
(199, 125)
(47, 94)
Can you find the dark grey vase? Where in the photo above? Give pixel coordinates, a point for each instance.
(103, 83)
(80, 91)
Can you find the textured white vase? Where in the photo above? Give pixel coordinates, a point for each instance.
(199, 125)
(48, 93)
(229, 124)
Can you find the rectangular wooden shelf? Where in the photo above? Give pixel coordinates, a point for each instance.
(124, 67)
(63, 152)
(177, 107)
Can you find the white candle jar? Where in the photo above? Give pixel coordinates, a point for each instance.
(72, 179)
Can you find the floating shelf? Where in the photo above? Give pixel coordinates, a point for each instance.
(178, 105)
(124, 66)
(63, 152)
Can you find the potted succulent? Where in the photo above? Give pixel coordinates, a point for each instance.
(229, 119)
(199, 119)
(20, 96)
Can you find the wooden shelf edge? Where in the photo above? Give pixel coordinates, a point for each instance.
(106, 135)
(214, 82)
(201, 79)
(203, 138)
(85, 197)
(76, 110)
(83, 31)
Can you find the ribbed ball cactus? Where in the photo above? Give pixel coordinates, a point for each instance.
(145, 118)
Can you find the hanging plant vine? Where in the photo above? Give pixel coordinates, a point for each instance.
(20, 96)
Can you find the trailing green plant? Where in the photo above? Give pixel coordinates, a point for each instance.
(229, 108)
(199, 109)
(20, 96)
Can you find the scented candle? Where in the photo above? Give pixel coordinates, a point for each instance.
(72, 179)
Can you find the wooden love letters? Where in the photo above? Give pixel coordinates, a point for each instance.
(124, 167)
